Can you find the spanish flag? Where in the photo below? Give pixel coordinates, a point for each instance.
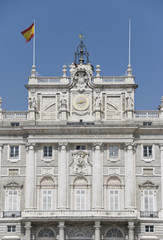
(29, 33)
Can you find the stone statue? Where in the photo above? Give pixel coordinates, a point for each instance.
(32, 103)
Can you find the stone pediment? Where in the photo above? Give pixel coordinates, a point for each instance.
(148, 185)
(13, 185)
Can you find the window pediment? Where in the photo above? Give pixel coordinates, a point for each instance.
(148, 185)
(13, 185)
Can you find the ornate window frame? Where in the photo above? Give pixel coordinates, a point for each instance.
(148, 159)
(14, 159)
(50, 158)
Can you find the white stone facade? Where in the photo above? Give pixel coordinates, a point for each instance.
(81, 163)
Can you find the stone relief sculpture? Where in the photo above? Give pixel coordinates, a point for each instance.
(80, 163)
(49, 107)
(32, 103)
(63, 102)
(81, 79)
(97, 101)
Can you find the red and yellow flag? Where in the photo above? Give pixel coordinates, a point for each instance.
(29, 33)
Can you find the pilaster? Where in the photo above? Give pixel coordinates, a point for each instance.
(28, 230)
(130, 192)
(97, 177)
(62, 176)
(97, 227)
(131, 230)
(161, 153)
(61, 230)
(30, 177)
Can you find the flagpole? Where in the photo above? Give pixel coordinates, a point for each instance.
(129, 52)
(34, 41)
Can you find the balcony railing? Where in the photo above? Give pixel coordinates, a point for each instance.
(147, 114)
(11, 214)
(150, 214)
(78, 214)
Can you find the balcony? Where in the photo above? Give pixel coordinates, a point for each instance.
(80, 214)
(11, 214)
(149, 214)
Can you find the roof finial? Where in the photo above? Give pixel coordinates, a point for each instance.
(81, 55)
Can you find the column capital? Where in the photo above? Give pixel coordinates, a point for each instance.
(161, 146)
(1, 147)
(30, 146)
(97, 146)
(27, 225)
(61, 224)
(97, 225)
(62, 145)
(130, 146)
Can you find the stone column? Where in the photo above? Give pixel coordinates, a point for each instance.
(62, 176)
(130, 190)
(61, 230)
(28, 230)
(97, 230)
(1, 146)
(30, 178)
(131, 230)
(97, 184)
(161, 151)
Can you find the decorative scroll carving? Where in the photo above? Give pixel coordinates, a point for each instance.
(80, 163)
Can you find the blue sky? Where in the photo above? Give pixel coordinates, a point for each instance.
(105, 27)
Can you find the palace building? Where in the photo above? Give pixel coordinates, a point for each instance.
(81, 163)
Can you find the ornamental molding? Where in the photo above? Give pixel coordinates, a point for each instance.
(80, 164)
(13, 185)
(148, 185)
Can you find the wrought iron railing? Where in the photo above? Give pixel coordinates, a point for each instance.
(11, 214)
(151, 214)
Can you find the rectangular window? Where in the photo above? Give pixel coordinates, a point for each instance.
(47, 151)
(14, 151)
(47, 199)
(147, 151)
(80, 147)
(113, 199)
(12, 203)
(149, 228)
(148, 200)
(113, 151)
(15, 124)
(80, 199)
(11, 228)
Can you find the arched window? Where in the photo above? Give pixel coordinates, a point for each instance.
(114, 194)
(47, 193)
(46, 233)
(80, 194)
(114, 233)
